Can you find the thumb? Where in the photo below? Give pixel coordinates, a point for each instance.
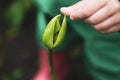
(66, 11)
(71, 9)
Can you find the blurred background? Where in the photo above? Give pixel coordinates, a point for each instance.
(18, 47)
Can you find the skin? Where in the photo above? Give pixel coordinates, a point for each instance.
(102, 15)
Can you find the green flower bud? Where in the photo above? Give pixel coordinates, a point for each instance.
(54, 32)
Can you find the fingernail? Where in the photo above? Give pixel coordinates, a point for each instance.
(62, 8)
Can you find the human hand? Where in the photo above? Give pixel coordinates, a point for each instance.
(103, 15)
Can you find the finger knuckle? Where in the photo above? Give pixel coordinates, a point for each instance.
(99, 28)
(86, 13)
(93, 20)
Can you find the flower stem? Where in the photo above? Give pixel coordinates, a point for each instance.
(50, 56)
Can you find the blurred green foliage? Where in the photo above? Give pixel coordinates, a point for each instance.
(14, 16)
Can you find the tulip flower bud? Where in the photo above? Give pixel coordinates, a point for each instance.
(54, 32)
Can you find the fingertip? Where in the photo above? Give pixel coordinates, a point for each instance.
(65, 11)
(62, 9)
